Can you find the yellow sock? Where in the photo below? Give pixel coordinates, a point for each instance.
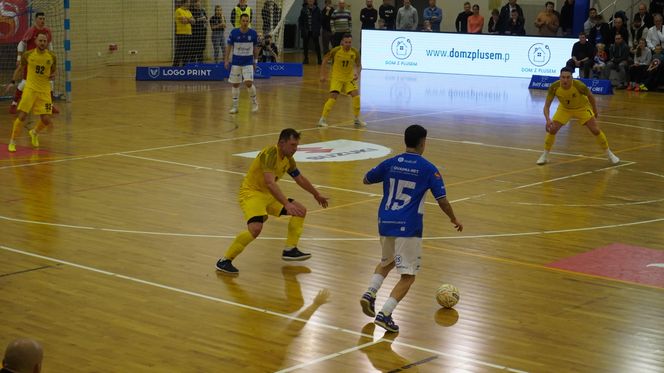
(601, 140)
(241, 241)
(295, 227)
(356, 106)
(328, 107)
(40, 126)
(549, 139)
(16, 129)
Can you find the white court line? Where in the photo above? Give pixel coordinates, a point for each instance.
(633, 118)
(633, 126)
(244, 306)
(329, 357)
(591, 205)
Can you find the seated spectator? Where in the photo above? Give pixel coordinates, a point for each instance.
(639, 31)
(600, 60)
(547, 21)
(515, 25)
(23, 356)
(426, 26)
(618, 60)
(590, 22)
(643, 16)
(655, 33)
(268, 51)
(655, 73)
(582, 56)
(493, 22)
(637, 71)
(619, 27)
(475, 21)
(601, 32)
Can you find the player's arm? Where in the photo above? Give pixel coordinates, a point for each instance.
(291, 208)
(305, 184)
(445, 205)
(547, 108)
(375, 175)
(257, 51)
(229, 50)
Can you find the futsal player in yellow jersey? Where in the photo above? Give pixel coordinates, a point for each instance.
(40, 64)
(345, 71)
(260, 196)
(576, 101)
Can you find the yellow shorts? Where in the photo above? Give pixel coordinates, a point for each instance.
(563, 115)
(38, 103)
(342, 86)
(255, 203)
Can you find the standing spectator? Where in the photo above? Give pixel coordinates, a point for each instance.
(567, 17)
(340, 23)
(493, 22)
(547, 21)
(515, 25)
(309, 22)
(590, 22)
(326, 32)
(271, 15)
(637, 71)
(644, 16)
(619, 27)
(582, 56)
(369, 16)
(268, 51)
(434, 15)
(388, 13)
(243, 44)
(618, 60)
(506, 15)
(461, 22)
(600, 33)
(23, 356)
(199, 31)
(475, 21)
(218, 26)
(240, 9)
(407, 18)
(183, 22)
(655, 33)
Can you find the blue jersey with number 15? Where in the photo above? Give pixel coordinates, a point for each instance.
(406, 178)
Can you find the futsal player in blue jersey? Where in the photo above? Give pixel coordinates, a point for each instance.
(406, 178)
(243, 43)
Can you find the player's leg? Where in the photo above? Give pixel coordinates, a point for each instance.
(354, 94)
(235, 78)
(600, 137)
(248, 78)
(560, 118)
(28, 101)
(368, 299)
(335, 88)
(295, 228)
(13, 107)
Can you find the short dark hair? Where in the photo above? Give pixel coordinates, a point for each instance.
(549, 2)
(582, 33)
(40, 14)
(414, 135)
(244, 15)
(592, 9)
(289, 133)
(566, 69)
(347, 35)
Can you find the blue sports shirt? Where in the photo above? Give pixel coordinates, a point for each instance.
(243, 46)
(406, 178)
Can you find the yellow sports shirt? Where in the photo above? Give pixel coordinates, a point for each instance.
(182, 28)
(40, 65)
(268, 160)
(343, 63)
(573, 98)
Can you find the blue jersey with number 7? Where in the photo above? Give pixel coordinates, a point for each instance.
(406, 178)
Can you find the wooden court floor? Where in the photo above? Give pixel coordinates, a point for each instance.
(110, 232)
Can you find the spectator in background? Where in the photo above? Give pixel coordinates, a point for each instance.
(475, 21)
(600, 33)
(218, 26)
(600, 60)
(654, 75)
(426, 26)
(637, 70)
(567, 17)
(639, 31)
(461, 22)
(643, 16)
(590, 22)
(493, 22)
(388, 13)
(326, 29)
(655, 33)
(240, 9)
(582, 56)
(183, 41)
(407, 18)
(271, 15)
(268, 51)
(547, 21)
(309, 22)
(618, 60)
(369, 16)
(505, 17)
(23, 356)
(515, 25)
(199, 31)
(619, 27)
(340, 23)
(656, 7)
(434, 15)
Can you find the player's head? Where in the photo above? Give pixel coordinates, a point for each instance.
(23, 355)
(347, 41)
(41, 40)
(566, 77)
(40, 19)
(289, 139)
(415, 137)
(244, 21)
(582, 37)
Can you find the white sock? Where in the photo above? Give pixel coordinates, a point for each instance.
(236, 95)
(375, 283)
(389, 306)
(252, 93)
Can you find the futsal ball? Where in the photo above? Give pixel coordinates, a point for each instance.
(447, 295)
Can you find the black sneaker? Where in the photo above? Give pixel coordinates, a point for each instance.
(368, 304)
(294, 255)
(227, 267)
(386, 323)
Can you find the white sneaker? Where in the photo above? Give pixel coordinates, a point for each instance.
(322, 122)
(233, 110)
(612, 157)
(254, 107)
(359, 123)
(543, 159)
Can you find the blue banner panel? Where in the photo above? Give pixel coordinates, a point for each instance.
(282, 69)
(203, 72)
(597, 86)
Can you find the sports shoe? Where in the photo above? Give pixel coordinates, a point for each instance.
(11, 147)
(543, 159)
(233, 110)
(386, 323)
(322, 122)
(636, 88)
(34, 138)
(643, 88)
(368, 303)
(630, 86)
(612, 157)
(13, 107)
(254, 107)
(294, 255)
(359, 123)
(227, 267)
